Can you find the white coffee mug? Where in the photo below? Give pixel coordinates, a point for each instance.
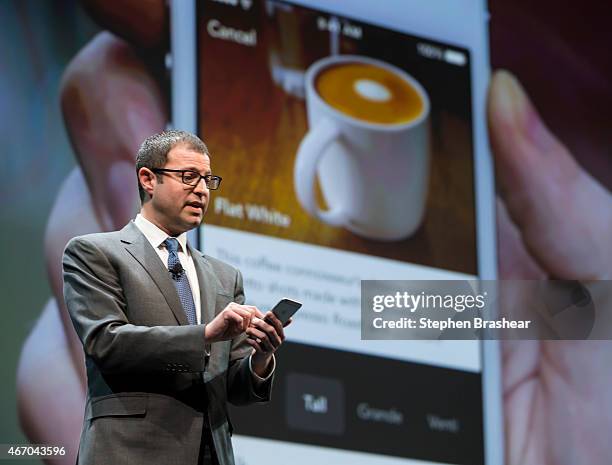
(373, 176)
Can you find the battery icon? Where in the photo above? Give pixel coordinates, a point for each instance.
(454, 57)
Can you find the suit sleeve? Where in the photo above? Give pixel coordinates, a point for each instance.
(240, 383)
(96, 304)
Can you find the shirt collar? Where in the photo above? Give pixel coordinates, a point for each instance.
(156, 236)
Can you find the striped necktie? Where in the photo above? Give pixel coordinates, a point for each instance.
(179, 278)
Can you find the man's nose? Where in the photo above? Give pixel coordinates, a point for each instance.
(200, 187)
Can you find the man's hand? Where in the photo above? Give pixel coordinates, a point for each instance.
(265, 336)
(231, 322)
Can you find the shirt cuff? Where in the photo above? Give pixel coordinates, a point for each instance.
(258, 379)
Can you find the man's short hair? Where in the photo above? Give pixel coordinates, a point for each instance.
(153, 153)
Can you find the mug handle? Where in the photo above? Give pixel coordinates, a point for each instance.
(311, 150)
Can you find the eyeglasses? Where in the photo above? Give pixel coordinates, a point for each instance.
(192, 178)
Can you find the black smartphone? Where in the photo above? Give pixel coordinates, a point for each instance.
(285, 309)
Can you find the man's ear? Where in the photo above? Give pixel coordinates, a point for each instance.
(147, 179)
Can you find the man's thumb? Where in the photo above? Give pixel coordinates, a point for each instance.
(563, 214)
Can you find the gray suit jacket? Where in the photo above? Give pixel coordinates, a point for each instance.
(149, 384)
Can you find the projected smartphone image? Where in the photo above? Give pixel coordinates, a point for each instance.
(348, 148)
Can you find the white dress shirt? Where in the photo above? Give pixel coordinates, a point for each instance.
(156, 238)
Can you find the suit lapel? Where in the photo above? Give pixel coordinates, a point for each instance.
(208, 285)
(139, 247)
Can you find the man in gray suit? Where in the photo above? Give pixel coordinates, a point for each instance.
(168, 339)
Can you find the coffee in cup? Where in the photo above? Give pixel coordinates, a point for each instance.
(369, 93)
